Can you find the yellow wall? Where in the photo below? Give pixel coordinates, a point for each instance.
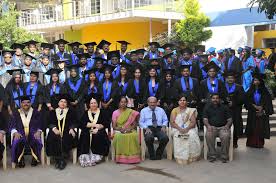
(67, 9)
(136, 33)
(260, 35)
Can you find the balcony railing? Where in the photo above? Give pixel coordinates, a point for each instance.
(88, 8)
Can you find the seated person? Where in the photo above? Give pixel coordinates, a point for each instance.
(26, 125)
(184, 131)
(154, 121)
(217, 119)
(125, 142)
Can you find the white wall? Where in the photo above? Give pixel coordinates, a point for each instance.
(221, 5)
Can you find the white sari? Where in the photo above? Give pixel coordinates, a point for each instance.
(186, 146)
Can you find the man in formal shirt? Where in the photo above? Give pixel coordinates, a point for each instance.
(154, 121)
(217, 119)
(7, 65)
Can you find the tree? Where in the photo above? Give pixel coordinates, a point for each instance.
(9, 31)
(192, 31)
(266, 6)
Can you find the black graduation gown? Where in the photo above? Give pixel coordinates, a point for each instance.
(205, 94)
(192, 95)
(235, 66)
(48, 98)
(157, 93)
(138, 97)
(168, 97)
(196, 71)
(79, 96)
(254, 122)
(238, 98)
(100, 141)
(38, 95)
(65, 56)
(120, 90)
(53, 142)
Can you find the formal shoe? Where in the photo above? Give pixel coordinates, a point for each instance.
(34, 162)
(212, 160)
(223, 160)
(152, 158)
(57, 164)
(235, 146)
(62, 164)
(158, 157)
(21, 164)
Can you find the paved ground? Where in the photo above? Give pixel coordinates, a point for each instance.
(249, 165)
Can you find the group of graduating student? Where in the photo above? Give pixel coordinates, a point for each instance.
(99, 89)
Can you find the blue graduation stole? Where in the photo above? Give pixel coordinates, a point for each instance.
(74, 58)
(76, 87)
(232, 89)
(52, 91)
(116, 72)
(107, 91)
(257, 97)
(210, 88)
(124, 58)
(33, 93)
(99, 76)
(62, 77)
(124, 87)
(60, 55)
(92, 90)
(137, 86)
(152, 55)
(183, 84)
(204, 74)
(15, 95)
(152, 90)
(44, 70)
(167, 65)
(189, 62)
(230, 61)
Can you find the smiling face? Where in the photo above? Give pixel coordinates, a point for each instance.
(93, 105)
(7, 58)
(26, 105)
(62, 104)
(182, 102)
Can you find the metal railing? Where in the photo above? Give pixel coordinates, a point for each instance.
(88, 8)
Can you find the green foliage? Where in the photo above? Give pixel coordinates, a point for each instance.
(192, 31)
(266, 6)
(270, 78)
(9, 30)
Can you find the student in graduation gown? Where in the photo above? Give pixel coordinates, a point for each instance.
(25, 126)
(13, 90)
(259, 106)
(188, 86)
(60, 64)
(260, 61)
(35, 90)
(203, 60)
(137, 88)
(153, 88)
(92, 85)
(91, 53)
(113, 58)
(99, 68)
(6, 65)
(75, 47)
(45, 66)
(105, 46)
(248, 67)
(168, 91)
(123, 80)
(123, 52)
(61, 137)
(233, 63)
(94, 121)
(17, 59)
(83, 65)
(75, 86)
(108, 89)
(27, 67)
(32, 49)
(3, 130)
(169, 62)
(53, 89)
(235, 98)
(61, 54)
(140, 53)
(153, 52)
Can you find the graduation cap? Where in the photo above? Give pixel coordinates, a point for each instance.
(124, 42)
(60, 41)
(53, 71)
(187, 50)
(83, 55)
(35, 71)
(259, 51)
(102, 43)
(99, 59)
(222, 50)
(169, 71)
(47, 45)
(167, 45)
(156, 44)
(133, 52)
(24, 97)
(211, 65)
(61, 60)
(93, 70)
(247, 48)
(67, 97)
(240, 49)
(211, 50)
(31, 42)
(185, 66)
(11, 52)
(230, 73)
(108, 67)
(155, 59)
(168, 55)
(141, 50)
(90, 44)
(74, 44)
(96, 96)
(16, 71)
(204, 57)
(272, 48)
(30, 56)
(17, 45)
(111, 54)
(73, 66)
(256, 74)
(125, 65)
(155, 67)
(200, 48)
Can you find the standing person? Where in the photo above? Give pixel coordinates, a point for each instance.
(62, 54)
(113, 58)
(137, 88)
(75, 87)
(169, 61)
(259, 106)
(27, 67)
(153, 88)
(125, 142)
(91, 53)
(99, 68)
(272, 60)
(203, 60)
(154, 121)
(94, 121)
(259, 61)
(217, 119)
(123, 51)
(153, 51)
(26, 128)
(75, 46)
(184, 132)
(248, 66)
(45, 66)
(32, 50)
(140, 53)
(235, 98)
(60, 64)
(233, 63)
(104, 45)
(17, 60)
(123, 80)
(83, 65)
(62, 137)
(6, 65)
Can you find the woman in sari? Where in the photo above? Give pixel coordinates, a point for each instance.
(125, 142)
(94, 121)
(184, 132)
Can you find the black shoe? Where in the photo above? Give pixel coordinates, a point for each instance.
(152, 158)
(212, 160)
(21, 164)
(57, 164)
(223, 160)
(62, 164)
(34, 162)
(158, 157)
(235, 146)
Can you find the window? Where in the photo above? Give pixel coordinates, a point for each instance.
(270, 42)
(261, 28)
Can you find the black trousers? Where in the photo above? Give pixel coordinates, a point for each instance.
(162, 138)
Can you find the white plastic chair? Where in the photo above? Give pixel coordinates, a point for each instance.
(42, 155)
(74, 150)
(231, 152)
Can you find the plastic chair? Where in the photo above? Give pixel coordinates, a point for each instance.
(231, 152)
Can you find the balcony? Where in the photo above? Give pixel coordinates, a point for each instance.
(82, 12)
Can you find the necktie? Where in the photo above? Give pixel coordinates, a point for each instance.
(187, 83)
(61, 112)
(154, 119)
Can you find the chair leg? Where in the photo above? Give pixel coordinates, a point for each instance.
(74, 151)
(5, 154)
(42, 156)
(205, 147)
(13, 165)
(169, 147)
(143, 148)
(112, 151)
(48, 160)
(231, 152)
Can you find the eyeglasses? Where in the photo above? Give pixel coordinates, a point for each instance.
(7, 57)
